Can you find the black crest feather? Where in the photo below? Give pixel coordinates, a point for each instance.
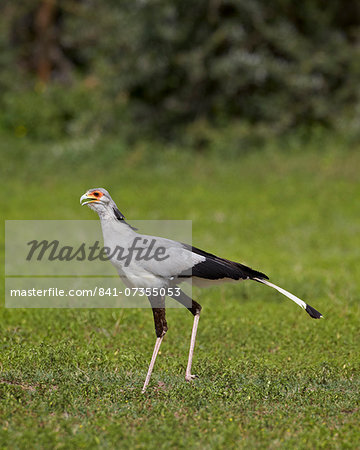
(120, 216)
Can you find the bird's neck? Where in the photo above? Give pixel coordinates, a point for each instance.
(114, 228)
(106, 214)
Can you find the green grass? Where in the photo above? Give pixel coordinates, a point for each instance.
(269, 376)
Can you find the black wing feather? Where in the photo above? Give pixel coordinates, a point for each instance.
(216, 268)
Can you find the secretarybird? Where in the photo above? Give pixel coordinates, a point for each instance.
(178, 262)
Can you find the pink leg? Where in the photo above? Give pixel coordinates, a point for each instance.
(188, 375)
(152, 362)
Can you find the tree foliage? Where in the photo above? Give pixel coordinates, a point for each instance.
(132, 66)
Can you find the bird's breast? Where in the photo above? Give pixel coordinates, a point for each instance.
(139, 278)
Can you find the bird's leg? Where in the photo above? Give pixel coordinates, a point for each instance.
(152, 362)
(158, 308)
(195, 309)
(188, 376)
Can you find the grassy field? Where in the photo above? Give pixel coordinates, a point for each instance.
(269, 376)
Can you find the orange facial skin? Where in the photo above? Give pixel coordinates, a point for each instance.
(96, 195)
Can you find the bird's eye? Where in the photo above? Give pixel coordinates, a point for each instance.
(96, 194)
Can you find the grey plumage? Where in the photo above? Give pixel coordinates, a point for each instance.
(182, 263)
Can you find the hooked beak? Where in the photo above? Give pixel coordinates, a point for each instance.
(88, 198)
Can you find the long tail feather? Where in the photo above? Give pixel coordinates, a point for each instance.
(309, 309)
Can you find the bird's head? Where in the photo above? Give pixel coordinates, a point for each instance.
(99, 200)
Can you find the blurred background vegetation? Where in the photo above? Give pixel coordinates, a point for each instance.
(241, 115)
(179, 71)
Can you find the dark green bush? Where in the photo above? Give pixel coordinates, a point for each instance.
(158, 67)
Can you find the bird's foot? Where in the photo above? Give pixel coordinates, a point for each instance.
(189, 377)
